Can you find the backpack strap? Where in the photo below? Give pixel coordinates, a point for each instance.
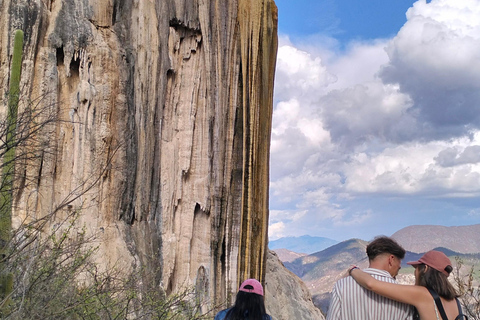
(440, 308)
(438, 302)
(460, 312)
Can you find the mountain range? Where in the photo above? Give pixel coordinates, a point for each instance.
(421, 238)
(321, 269)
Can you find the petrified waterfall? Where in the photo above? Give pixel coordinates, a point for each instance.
(163, 129)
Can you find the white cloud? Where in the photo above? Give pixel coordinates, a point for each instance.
(276, 230)
(360, 63)
(474, 213)
(412, 169)
(355, 219)
(299, 73)
(435, 59)
(397, 118)
(454, 156)
(365, 112)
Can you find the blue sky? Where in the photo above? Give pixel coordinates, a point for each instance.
(344, 20)
(376, 122)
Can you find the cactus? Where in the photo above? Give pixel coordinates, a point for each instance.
(8, 166)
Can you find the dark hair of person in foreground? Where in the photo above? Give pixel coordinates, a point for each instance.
(250, 304)
(382, 245)
(431, 278)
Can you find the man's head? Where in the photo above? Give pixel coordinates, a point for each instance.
(386, 254)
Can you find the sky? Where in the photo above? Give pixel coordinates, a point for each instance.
(376, 121)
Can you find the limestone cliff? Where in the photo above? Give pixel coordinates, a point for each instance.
(162, 137)
(287, 297)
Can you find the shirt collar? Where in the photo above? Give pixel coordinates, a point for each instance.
(378, 272)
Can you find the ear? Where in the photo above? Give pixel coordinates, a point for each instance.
(389, 260)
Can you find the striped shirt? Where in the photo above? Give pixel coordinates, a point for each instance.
(350, 301)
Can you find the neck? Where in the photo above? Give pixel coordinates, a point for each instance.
(378, 263)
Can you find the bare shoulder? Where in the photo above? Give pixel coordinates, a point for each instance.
(451, 308)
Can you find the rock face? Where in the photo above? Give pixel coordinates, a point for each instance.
(162, 141)
(286, 296)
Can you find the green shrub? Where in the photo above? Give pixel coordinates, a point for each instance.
(56, 277)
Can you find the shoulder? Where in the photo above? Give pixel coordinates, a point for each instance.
(380, 275)
(344, 282)
(221, 315)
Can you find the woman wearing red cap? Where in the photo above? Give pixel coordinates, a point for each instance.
(431, 273)
(249, 303)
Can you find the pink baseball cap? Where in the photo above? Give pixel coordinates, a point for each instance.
(435, 259)
(251, 286)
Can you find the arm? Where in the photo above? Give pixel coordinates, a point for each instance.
(410, 294)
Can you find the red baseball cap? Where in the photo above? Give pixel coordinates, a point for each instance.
(252, 286)
(435, 259)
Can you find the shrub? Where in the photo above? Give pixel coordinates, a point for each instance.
(469, 288)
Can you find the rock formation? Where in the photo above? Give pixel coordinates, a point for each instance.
(286, 296)
(161, 144)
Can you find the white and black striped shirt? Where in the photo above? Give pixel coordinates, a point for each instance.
(350, 301)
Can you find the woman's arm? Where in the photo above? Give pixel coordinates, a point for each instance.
(410, 294)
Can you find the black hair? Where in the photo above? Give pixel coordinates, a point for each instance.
(249, 306)
(381, 245)
(437, 281)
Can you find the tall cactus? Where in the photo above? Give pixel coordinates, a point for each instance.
(8, 166)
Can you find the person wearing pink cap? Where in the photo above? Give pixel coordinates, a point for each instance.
(249, 303)
(433, 295)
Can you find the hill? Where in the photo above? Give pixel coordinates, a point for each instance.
(286, 255)
(334, 258)
(421, 238)
(304, 244)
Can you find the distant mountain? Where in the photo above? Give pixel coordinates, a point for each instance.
(467, 258)
(286, 255)
(421, 238)
(334, 258)
(303, 244)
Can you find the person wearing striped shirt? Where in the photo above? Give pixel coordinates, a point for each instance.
(349, 301)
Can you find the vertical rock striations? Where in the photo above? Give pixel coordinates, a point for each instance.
(162, 140)
(258, 52)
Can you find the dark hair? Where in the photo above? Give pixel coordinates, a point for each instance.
(437, 281)
(381, 245)
(249, 306)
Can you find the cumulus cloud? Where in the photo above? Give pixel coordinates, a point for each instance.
(452, 156)
(435, 60)
(398, 118)
(366, 112)
(276, 230)
(359, 64)
(298, 73)
(410, 169)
